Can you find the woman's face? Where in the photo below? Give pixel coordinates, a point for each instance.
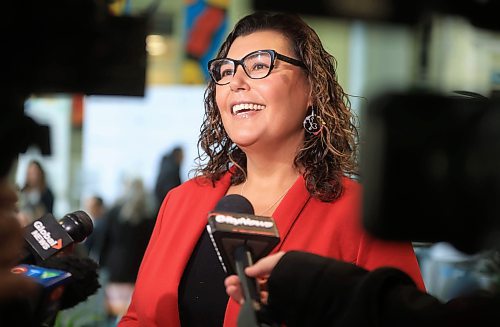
(34, 176)
(278, 102)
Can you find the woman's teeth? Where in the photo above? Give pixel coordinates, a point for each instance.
(245, 107)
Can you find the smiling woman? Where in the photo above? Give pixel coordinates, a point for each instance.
(278, 129)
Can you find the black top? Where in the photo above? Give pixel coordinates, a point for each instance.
(47, 199)
(168, 177)
(123, 246)
(202, 295)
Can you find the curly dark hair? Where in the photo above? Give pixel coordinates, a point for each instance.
(325, 158)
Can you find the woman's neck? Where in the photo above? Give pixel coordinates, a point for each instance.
(266, 185)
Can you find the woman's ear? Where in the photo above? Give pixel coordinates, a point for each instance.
(310, 102)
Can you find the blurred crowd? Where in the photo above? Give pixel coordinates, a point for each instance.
(121, 234)
(122, 229)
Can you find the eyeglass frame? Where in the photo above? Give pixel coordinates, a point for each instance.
(274, 55)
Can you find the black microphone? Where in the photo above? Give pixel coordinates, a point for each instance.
(46, 236)
(239, 238)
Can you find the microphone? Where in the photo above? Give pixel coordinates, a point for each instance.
(239, 238)
(64, 281)
(41, 308)
(46, 236)
(84, 278)
(232, 225)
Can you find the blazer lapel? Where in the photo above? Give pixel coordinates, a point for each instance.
(290, 208)
(209, 200)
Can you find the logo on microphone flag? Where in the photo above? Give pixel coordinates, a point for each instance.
(46, 236)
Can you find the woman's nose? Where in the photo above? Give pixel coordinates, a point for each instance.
(239, 80)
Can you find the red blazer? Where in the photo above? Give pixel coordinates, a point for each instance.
(304, 223)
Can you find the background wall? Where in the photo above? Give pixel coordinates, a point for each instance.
(125, 138)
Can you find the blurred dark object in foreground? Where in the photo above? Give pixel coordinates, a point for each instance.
(63, 46)
(17, 133)
(480, 13)
(432, 169)
(72, 46)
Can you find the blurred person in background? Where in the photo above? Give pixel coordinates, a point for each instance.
(169, 175)
(95, 207)
(129, 223)
(36, 196)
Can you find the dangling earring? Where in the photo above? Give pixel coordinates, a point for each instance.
(313, 123)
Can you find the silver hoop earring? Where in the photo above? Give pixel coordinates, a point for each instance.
(313, 123)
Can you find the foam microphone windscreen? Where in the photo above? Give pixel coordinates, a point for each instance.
(84, 278)
(234, 203)
(78, 225)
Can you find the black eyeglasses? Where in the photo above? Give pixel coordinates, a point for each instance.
(257, 65)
